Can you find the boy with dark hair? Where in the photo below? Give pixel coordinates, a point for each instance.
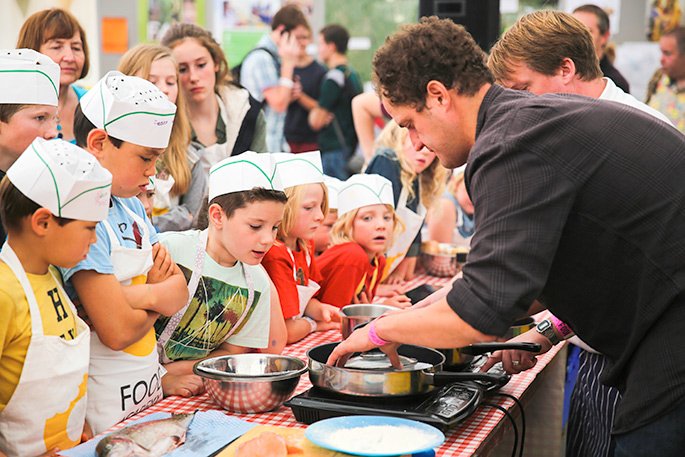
(127, 280)
(50, 202)
(28, 103)
(332, 118)
(223, 271)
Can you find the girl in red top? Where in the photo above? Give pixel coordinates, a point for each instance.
(365, 229)
(290, 262)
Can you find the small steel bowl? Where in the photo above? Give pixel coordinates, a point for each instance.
(354, 315)
(442, 259)
(250, 383)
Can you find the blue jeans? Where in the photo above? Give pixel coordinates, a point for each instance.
(335, 163)
(664, 437)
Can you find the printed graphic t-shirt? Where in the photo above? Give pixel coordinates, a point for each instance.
(218, 303)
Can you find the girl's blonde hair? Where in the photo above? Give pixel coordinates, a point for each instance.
(343, 229)
(137, 62)
(295, 195)
(431, 180)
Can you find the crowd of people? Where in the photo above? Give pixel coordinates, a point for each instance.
(182, 209)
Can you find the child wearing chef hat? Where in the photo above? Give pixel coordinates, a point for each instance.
(223, 267)
(365, 229)
(50, 201)
(128, 279)
(28, 103)
(322, 236)
(290, 262)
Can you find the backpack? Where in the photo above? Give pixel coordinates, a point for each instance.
(235, 71)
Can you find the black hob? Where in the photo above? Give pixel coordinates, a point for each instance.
(442, 408)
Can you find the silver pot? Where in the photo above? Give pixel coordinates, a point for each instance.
(352, 316)
(421, 373)
(250, 383)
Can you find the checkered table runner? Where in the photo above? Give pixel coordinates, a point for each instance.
(464, 440)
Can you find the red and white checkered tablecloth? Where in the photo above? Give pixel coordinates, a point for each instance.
(464, 440)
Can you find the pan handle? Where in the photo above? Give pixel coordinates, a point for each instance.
(442, 378)
(482, 348)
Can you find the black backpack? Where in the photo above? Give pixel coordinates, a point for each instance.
(235, 71)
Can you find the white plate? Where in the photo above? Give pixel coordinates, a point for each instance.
(328, 433)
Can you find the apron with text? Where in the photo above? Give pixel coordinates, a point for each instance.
(412, 225)
(50, 397)
(175, 320)
(304, 293)
(123, 383)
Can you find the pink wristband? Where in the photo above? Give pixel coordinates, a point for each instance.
(561, 328)
(373, 336)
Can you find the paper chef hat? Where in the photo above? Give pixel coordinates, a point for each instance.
(242, 172)
(28, 77)
(364, 190)
(297, 169)
(63, 178)
(333, 185)
(130, 109)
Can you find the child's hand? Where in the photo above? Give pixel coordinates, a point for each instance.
(163, 266)
(396, 278)
(361, 298)
(87, 432)
(398, 301)
(388, 290)
(183, 385)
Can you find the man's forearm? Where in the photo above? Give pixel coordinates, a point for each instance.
(436, 325)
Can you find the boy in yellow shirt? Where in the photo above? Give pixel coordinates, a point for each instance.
(50, 202)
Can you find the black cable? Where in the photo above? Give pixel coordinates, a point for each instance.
(513, 424)
(523, 418)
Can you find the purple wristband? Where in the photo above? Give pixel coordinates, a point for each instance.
(373, 336)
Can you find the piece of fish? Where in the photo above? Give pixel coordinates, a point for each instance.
(149, 439)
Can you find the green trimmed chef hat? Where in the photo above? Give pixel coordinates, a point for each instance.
(28, 77)
(364, 190)
(130, 109)
(242, 172)
(63, 178)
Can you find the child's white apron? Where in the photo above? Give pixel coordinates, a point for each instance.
(48, 406)
(412, 225)
(123, 383)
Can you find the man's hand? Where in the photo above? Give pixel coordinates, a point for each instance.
(359, 341)
(163, 265)
(514, 361)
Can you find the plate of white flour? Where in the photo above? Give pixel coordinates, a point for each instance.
(374, 435)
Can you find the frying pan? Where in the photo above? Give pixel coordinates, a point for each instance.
(421, 373)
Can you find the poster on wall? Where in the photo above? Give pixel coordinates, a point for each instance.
(664, 16)
(612, 8)
(239, 24)
(158, 15)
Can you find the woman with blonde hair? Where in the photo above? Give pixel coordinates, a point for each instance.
(224, 118)
(417, 179)
(181, 182)
(57, 34)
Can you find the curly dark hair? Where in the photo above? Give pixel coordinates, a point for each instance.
(434, 49)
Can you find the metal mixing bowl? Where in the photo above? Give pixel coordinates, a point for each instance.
(353, 315)
(250, 383)
(442, 259)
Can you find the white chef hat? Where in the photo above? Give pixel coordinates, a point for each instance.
(297, 169)
(364, 190)
(28, 77)
(130, 109)
(333, 185)
(242, 172)
(63, 178)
